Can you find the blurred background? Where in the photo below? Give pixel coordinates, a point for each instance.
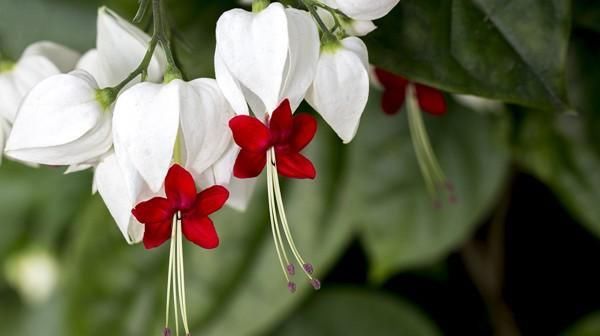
(516, 255)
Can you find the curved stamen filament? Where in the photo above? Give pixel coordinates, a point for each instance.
(176, 280)
(279, 247)
(428, 163)
(276, 206)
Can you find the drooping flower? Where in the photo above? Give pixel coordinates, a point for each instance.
(264, 57)
(340, 89)
(38, 62)
(182, 204)
(394, 88)
(277, 144)
(63, 121)
(399, 92)
(182, 213)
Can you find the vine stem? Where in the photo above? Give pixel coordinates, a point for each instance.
(484, 261)
(160, 36)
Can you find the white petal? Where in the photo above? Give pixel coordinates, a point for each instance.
(204, 119)
(60, 122)
(15, 84)
(254, 47)
(240, 192)
(359, 27)
(341, 90)
(145, 126)
(366, 9)
(303, 56)
(61, 56)
(78, 167)
(95, 65)
(221, 172)
(123, 46)
(229, 86)
(111, 183)
(4, 130)
(359, 48)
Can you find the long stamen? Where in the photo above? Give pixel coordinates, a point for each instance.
(430, 167)
(275, 229)
(306, 267)
(172, 251)
(181, 277)
(174, 279)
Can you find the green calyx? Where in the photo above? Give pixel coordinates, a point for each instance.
(6, 65)
(259, 5)
(106, 97)
(330, 44)
(172, 73)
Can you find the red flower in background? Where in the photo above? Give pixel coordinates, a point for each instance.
(394, 94)
(285, 133)
(192, 209)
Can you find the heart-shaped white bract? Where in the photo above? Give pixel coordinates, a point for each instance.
(61, 122)
(265, 57)
(38, 62)
(341, 87)
(148, 117)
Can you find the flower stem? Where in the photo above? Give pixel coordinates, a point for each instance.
(160, 36)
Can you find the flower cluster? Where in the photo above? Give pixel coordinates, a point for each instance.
(167, 152)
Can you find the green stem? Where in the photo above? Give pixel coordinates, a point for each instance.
(328, 36)
(159, 36)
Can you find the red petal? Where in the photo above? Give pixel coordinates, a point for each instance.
(295, 165)
(390, 81)
(431, 100)
(211, 200)
(200, 230)
(180, 188)
(392, 101)
(281, 120)
(156, 234)
(305, 127)
(249, 164)
(249, 133)
(153, 211)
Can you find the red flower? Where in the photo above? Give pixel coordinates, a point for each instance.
(287, 134)
(431, 100)
(193, 210)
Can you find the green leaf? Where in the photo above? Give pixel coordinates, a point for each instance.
(351, 312)
(563, 151)
(587, 326)
(400, 226)
(512, 51)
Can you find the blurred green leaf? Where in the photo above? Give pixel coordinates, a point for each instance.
(587, 326)
(38, 204)
(351, 312)
(564, 151)
(512, 51)
(399, 224)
